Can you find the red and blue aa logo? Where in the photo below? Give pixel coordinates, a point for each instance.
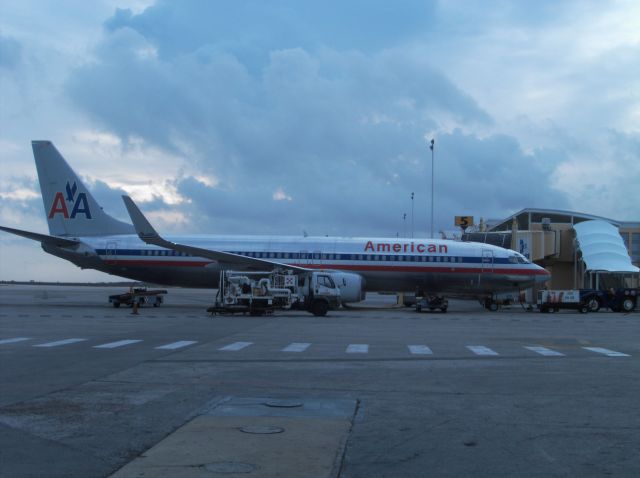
(76, 202)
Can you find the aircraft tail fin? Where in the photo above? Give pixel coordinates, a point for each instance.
(70, 208)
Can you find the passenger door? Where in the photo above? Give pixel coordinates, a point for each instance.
(487, 260)
(111, 251)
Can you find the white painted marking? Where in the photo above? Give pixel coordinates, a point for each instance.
(60, 342)
(420, 350)
(358, 349)
(481, 350)
(296, 347)
(234, 347)
(607, 352)
(545, 351)
(177, 345)
(119, 343)
(14, 340)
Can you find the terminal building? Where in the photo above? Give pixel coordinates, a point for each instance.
(580, 250)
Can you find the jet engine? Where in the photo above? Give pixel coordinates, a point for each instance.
(351, 286)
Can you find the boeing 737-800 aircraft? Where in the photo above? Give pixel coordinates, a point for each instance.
(81, 232)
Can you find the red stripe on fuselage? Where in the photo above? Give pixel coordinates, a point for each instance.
(462, 270)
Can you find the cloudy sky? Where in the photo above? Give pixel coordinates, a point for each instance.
(286, 116)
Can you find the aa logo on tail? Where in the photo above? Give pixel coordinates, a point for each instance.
(78, 203)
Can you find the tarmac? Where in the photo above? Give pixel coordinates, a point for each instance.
(373, 391)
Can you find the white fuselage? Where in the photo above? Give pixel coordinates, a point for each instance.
(432, 265)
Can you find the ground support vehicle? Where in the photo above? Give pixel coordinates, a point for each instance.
(431, 303)
(617, 300)
(139, 296)
(623, 300)
(554, 300)
(260, 293)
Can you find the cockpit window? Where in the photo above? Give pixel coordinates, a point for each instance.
(518, 258)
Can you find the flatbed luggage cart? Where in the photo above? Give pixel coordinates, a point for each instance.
(139, 296)
(554, 300)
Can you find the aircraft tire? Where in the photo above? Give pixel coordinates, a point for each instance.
(319, 308)
(594, 304)
(628, 305)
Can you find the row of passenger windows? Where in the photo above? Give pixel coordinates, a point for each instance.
(163, 253)
(348, 257)
(320, 256)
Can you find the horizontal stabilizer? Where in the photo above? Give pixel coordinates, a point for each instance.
(45, 239)
(148, 234)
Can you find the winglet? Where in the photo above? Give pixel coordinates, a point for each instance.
(143, 227)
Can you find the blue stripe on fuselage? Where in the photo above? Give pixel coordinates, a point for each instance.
(297, 256)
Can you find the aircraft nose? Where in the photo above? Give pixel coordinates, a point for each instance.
(542, 275)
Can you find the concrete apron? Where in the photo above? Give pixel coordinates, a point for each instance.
(253, 437)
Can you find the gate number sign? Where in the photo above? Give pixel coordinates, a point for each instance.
(464, 221)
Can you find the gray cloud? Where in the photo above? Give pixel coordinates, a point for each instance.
(251, 29)
(110, 199)
(341, 132)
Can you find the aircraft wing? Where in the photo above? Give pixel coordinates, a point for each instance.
(148, 234)
(43, 238)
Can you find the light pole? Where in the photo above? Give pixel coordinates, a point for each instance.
(411, 215)
(404, 225)
(431, 146)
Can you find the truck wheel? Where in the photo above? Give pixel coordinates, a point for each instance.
(584, 308)
(444, 310)
(594, 304)
(493, 306)
(628, 305)
(116, 304)
(319, 308)
(418, 308)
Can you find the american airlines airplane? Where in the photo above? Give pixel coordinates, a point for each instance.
(82, 233)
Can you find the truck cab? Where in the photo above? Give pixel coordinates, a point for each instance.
(319, 292)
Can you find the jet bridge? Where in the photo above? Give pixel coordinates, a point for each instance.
(603, 259)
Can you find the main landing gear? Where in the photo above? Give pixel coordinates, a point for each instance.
(491, 305)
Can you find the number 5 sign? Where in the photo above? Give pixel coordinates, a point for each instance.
(464, 221)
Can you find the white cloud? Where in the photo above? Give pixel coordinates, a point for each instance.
(280, 195)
